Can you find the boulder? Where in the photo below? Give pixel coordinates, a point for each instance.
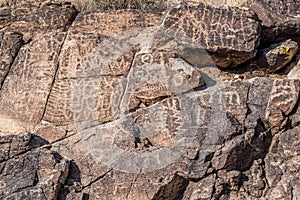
(229, 34)
(280, 19)
(34, 19)
(28, 171)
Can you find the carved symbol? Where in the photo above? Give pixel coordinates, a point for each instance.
(153, 114)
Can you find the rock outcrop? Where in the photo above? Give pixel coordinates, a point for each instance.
(29, 171)
(131, 105)
(280, 18)
(229, 34)
(10, 45)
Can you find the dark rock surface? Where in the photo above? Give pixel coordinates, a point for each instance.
(230, 34)
(35, 19)
(280, 18)
(29, 171)
(100, 107)
(10, 45)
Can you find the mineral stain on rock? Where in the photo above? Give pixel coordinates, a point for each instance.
(200, 102)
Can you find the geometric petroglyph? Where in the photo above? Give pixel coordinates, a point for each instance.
(283, 98)
(153, 77)
(138, 115)
(90, 56)
(230, 34)
(25, 90)
(154, 122)
(35, 20)
(10, 43)
(148, 139)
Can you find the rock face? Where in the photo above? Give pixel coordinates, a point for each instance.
(277, 56)
(28, 171)
(115, 105)
(230, 34)
(280, 18)
(10, 45)
(32, 19)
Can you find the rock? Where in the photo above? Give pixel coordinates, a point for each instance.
(283, 176)
(280, 19)
(277, 108)
(27, 173)
(116, 110)
(104, 62)
(153, 77)
(202, 189)
(13, 145)
(9, 47)
(33, 19)
(295, 72)
(277, 56)
(50, 132)
(29, 82)
(231, 40)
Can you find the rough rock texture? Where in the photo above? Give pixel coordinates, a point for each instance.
(9, 47)
(230, 34)
(280, 18)
(28, 171)
(295, 72)
(115, 112)
(90, 51)
(28, 83)
(33, 19)
(277, 56)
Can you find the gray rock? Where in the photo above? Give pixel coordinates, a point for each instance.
(27, 172)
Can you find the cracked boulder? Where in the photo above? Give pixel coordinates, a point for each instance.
(29, 171)
(25, 90)
(280, 18)
(229, 34)
(34, 19)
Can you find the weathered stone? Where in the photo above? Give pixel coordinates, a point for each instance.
(230, 34)
(89, 51)
(153, 77)
(280, 18)
(83, 168)
(135, 118)
(33, 19)
(28, 172)
(12, 145)
(121, 20)
(50, 132)
(10, 43)
(28, 83)
(295, 72)
(283, 176)
(277, 56)
(202, 189)
(283, 99)
(94, 62)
